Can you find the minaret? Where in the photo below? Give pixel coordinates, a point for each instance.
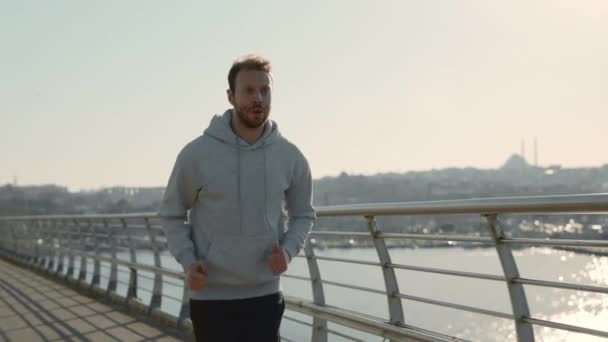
(523, 149)
(535, 152)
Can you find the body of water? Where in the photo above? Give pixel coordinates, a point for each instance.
(565, 306)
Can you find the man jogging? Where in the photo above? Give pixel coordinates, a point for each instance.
(249, 193)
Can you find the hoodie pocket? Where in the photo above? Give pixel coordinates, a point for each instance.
(240, 261)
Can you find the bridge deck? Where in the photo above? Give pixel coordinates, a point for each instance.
(34, 308)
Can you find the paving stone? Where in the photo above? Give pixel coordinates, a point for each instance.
(144, 329)
(99, 336)
(101, 321)
(27, 334)
(81, 325)
(124, 334)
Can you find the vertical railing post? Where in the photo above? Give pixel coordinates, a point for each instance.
(15, 234)
(33, 231)
(113, 267)
(519, 303)
(15, 243)
(44, 246)
(184, 311)
(132, 290)
(319, 326)
(2, 235)
(95, 281)
(157, 289)
(51, 228)
(82, 271)
(29, 240)
(60, 235)
(71, 243)
(390, 279)
(37, 239)
(44, 236)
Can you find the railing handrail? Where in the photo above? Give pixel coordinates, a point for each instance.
(81, 216)
(579, 203)
(488, 208)
(597, 202)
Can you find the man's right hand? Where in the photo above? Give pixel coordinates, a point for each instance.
(197, 276)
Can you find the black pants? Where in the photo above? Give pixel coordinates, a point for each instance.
(250, 319)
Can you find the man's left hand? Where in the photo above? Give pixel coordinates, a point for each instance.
(278, 260)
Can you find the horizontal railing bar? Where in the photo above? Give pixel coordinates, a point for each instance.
(337, 233)
(103, 234)
(289, 318)
(567, 286)
(448, 272)
(179, 300)
(580, 203)
(165, 280)
(353, 287)
(171, 283)
(149, 215)
(361, 322)
(350, 261)
(568, 327)
(99, 226)
(295, 277)
(144, 267)
(147, 290)
(456, 306)
(556, 242)
(126, 283)
(417, 268)
(586, 203)
(462, 238)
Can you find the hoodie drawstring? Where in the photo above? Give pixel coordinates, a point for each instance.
(238, 186)
(266, 194)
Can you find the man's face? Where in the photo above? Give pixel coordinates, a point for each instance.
(251, 97)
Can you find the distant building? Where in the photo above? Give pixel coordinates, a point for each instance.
(515, 162)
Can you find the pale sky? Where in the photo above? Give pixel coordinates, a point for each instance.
(103, 93)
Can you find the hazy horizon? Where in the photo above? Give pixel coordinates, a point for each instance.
(71, 189)
(100, 94)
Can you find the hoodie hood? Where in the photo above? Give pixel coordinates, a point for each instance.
(220, 129)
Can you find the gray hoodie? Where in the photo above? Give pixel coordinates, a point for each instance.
(243, 199)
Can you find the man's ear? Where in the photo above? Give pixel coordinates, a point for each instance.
(230, 96)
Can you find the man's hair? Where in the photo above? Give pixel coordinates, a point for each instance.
(249, 62)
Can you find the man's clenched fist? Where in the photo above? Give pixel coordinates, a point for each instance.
(277, 261)
(197, 276)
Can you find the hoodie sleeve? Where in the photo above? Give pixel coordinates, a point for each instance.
(179, 197)
(299, 209)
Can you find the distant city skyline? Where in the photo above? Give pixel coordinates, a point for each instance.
(100, 94)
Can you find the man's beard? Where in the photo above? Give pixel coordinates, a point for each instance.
(250, 119)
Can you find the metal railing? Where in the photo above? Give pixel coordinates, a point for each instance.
(47, 241)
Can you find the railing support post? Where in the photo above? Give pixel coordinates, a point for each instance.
(113, 267)
(157, 290)
(71, 247)
(37, 239)
(319, 325)
(519, 303)
(60, 235)
(45, 246)
(51, 239)
(390, 279)
(95, 281)
(132, 290)
(82, 272)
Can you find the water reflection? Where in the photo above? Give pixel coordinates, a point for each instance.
(581, 308)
